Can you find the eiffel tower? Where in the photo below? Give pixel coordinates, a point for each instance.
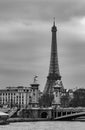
(54, 74)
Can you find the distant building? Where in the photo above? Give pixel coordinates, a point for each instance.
(20, 96)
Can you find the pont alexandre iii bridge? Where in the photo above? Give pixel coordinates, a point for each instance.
(49, 114)
(52, 114)
(69, 113)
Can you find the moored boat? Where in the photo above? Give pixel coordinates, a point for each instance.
(3, 118)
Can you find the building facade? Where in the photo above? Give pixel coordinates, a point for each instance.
(20, 96)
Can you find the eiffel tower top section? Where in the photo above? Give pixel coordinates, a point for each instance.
(54, 28)
(54, 67)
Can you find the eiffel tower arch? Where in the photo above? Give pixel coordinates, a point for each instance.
(54, 73)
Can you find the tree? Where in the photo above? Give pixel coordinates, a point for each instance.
(46, 100)
(65, 100)
(79, 98)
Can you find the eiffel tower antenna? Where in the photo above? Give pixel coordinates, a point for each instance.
(54, 21)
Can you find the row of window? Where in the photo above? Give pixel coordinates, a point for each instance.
(11, 101)
(10, 94)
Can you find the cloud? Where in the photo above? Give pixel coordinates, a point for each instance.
(42, 10)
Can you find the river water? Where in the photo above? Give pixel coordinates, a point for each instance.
(56, 125)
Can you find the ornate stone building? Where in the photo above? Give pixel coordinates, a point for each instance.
(20, 96)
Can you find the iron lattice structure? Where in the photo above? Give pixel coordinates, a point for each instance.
(54, 74)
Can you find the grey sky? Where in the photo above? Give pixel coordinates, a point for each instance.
(25, 41)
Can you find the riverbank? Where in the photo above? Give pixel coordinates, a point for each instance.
(27, 119)
(14, 120)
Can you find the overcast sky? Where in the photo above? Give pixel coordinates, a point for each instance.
(25, 41)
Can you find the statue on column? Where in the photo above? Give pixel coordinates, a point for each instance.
(35, 79)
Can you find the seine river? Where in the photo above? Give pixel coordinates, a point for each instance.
(57, 125)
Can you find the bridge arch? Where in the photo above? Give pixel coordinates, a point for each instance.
(44, 114)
